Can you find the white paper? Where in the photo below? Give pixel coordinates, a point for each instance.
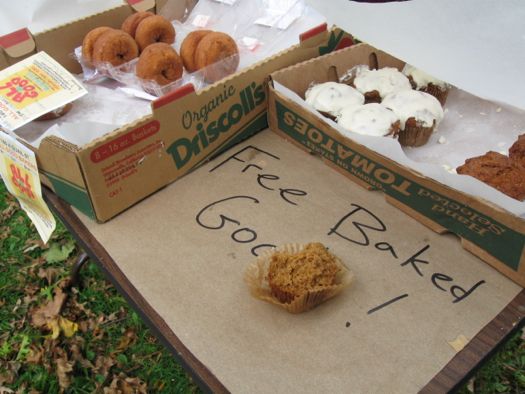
(477, 45)
(40, 15)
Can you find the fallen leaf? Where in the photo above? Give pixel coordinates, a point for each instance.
(126, 385)
(5, 390)
(42, 315)
(103, 365)
(77, 356)
(129, 337)
(63, 368)
(35, 355)
(68, 327)
(57, 253)
(49, 274)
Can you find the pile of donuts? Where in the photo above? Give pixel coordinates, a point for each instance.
(150, 37)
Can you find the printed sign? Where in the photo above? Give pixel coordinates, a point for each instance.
(33, 87)
(19, 171)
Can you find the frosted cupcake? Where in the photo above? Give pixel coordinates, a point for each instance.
(426, 83)
(369, 119)
(330, 98)
(377, 84)
(419, 114)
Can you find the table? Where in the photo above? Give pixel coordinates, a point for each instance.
(450, 377)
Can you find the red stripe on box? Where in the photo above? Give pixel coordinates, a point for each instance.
(14, 38)
(175, 95)
(131, 2)
(313, 32)
(125, 141)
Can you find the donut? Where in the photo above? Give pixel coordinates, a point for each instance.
(188, 46)
(56, 113)
(212, 48)
(115, 47)
(89, 43)
(159, 62)
(131, 22)
(154, 29)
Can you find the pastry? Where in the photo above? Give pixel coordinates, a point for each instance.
(218, 53)
(377, 84)
(332, 97)
(297, 277)
(427, 83)
(369, 119)
(419, 114)
(131, 23)
(498, 171)
(56, 113)
(291, 275)
(154, 29)
(114, 47)
(188, 47)
(88, 43)
(159, 62)
(517, 152)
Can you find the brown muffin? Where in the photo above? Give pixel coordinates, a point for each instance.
(498, 171)
(293, 274)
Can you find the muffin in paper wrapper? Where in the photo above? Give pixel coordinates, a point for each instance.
(256, 277)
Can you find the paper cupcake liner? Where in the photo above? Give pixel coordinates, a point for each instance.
(256, 277)
(414, 134)
(441, 93)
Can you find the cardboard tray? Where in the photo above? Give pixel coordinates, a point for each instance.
(112, 173)
(488, 231)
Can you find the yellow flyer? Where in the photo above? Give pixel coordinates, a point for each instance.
(19, 171)
(33, 87)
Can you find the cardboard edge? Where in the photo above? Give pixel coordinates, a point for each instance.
(141, 5)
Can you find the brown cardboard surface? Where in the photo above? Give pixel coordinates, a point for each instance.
(187, 256)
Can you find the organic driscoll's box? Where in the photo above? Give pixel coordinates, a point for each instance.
(494, 232)
(186, 127)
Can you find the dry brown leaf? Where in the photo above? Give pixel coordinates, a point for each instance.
(77, 356)
(42, 315)
(126, 385)
(63, 369)
(5, 390)
(103, 365)
(127, 339)
(35, 354)
(48, 274)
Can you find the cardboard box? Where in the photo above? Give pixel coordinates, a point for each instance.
(490, 232)
(186, 128)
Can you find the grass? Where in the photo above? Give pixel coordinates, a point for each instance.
(110, 350)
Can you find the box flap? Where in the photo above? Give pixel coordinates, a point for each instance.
(141, 5)
(18, 43)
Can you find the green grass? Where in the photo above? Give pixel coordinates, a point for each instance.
(112, 347)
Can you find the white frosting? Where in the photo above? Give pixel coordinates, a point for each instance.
(386, 80)
(369, 119)
(331, 97)
(421, 78)
(424, 107)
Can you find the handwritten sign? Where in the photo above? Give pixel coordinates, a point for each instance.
(187, 247)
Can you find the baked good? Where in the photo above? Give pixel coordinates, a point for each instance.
(369, 119)
(218, 53)
(331, 97)
(517, 152)
(131, 23)
(427, 83)
(188, 47)
(88, 43)
(159, 62)
(377, 84)
(56, 113)
(419, 114)
(293, 274)
(114, 47)
(154, 29)
(498, 171)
